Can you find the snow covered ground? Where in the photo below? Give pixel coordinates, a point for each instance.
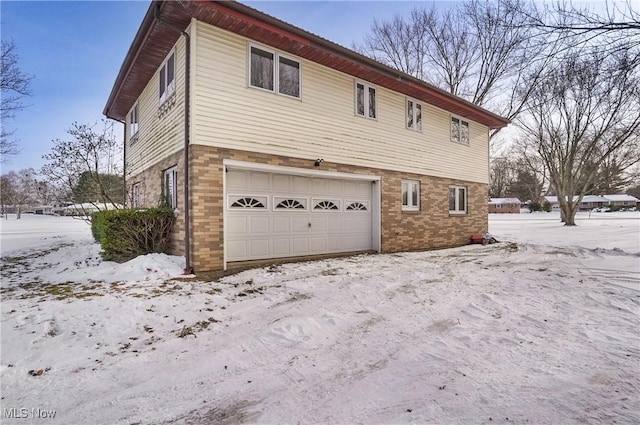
(541, 328)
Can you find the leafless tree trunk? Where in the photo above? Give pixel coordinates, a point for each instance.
(581, 114)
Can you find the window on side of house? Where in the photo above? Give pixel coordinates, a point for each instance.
(410, 195)
(170, 187)
(288, 77)
(264, 74)
(166, 77)
(366, 105)
(414, 115)
(457, 199)
(459, 130)
(133, 121)
(136, 196)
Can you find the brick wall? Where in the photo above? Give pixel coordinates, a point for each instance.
(151, 181)
(431, 227)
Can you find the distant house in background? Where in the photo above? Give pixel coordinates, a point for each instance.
(43, 210)
(623, 200)
(504, 205)
(590, 202)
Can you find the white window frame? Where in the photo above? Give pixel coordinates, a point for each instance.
(414, 114)
(136, 195)
(134, 121)
(167, 88)
(458, 138)
(366, 113)
(456, 209)
(275, 71)
(407, 188)
(170, 186)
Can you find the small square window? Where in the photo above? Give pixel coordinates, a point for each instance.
(410, 195)
(459, 131)
(457, 199)
(366, 105)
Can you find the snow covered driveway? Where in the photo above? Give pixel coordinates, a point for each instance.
(530, 330)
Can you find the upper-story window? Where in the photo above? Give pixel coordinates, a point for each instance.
(167, 77)
(264, 74)
(133, 121)
(366, 105)
(414, 115)
(459, 130)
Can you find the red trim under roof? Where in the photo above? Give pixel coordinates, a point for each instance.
(160, 28)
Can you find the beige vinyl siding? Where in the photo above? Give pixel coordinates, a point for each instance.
(322, 124)
(159, 135)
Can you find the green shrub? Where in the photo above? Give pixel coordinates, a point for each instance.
(546, 206)
(125, 234)
(535, 206)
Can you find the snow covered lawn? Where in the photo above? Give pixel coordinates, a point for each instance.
(541, 328)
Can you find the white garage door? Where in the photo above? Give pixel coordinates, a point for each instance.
(271, 215)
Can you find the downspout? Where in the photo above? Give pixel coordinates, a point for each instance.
(124, 164)
(188, 269)
(187, 207)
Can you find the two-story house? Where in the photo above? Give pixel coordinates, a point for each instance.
(271, 142)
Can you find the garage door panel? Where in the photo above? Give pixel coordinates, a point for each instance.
(259, 224)
(281, 247)
(300, 184)
(270, 215)
(358, 223)
(237, 225)
(319, 224)
(300, 224)
(237, 179)
(300, 246)
(356, 242)
(318, 244)
(281, 183)
(259, 247)
(281, 224)
(259, 180)
(237, 249)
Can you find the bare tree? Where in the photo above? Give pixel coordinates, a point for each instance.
(481, 51)
(90, 154)
(14, 86)
(18, 190)
(613, 20)
(581, 114)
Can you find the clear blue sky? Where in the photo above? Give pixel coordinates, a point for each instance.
(74, 50)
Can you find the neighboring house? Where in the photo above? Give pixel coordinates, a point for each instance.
(271, 142)
(590, 202)
(504, 205)
(623, 200)
(44, 210)
(88, 208)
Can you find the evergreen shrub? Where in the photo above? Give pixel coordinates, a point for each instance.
(126, 234)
